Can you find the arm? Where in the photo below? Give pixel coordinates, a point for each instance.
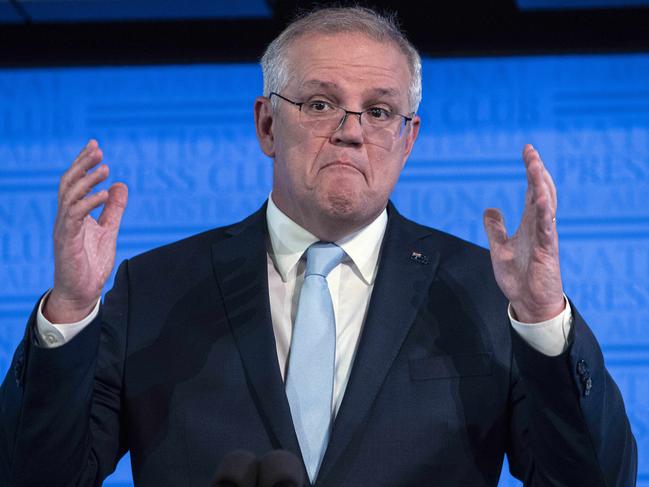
(565, 428)
(61, 406)
(64, 426)
(568, 423)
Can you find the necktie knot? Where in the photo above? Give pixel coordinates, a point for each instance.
(322, 257)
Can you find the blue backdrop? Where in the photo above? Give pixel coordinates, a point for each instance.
(182, 138)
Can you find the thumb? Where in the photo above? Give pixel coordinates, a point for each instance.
(494, 224)
(114, 206)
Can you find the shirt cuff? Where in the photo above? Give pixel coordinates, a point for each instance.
(50, 335)
(549, 337)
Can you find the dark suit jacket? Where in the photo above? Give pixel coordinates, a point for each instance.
(180, 367)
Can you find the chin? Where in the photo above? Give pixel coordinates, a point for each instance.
(341, 206)
(348, 208)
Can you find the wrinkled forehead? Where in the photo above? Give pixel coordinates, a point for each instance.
(384, 92)
(340, 62)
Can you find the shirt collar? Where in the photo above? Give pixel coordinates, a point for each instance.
(289, 241)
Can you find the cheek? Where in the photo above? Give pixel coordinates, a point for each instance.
(296, 160)
(303, 153)
(384, 170)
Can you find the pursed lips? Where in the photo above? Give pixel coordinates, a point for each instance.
(342, 165)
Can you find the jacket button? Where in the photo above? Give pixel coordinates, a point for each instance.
(18, 366)
(588, 385)
(582, 367)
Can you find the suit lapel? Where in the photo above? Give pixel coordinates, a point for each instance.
(401, 285)
(240, 265)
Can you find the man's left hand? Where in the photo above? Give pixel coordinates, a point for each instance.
(526, 265)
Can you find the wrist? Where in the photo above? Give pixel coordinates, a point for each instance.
(61, 310)
(537, 314)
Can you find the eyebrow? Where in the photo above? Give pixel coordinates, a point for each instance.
(315, 83)
(392, 92)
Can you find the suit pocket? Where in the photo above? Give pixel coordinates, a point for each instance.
(451, 366)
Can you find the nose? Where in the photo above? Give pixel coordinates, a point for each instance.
(350, 130)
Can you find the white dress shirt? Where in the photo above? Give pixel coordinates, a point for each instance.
(350, 284)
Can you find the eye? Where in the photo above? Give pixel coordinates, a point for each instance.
(319, 106)
(379, 114)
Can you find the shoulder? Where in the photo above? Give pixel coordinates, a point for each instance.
(190, 254)
(461, 265)
(463, 295)
(450, 248)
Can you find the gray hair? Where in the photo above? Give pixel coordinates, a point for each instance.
(274, 62)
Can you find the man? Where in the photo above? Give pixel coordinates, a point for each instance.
(211, 344)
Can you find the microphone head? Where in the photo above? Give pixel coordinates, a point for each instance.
(237, 469)
(280, 468)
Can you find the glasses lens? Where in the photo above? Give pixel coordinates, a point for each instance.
(323, 121)
(383, 136)
(381, 131)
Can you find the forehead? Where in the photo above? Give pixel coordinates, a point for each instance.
(348, 64)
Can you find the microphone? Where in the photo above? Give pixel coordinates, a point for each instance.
(237, 469)
(280, 468)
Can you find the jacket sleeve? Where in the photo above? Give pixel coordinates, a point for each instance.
(61, 421)
(569, 426)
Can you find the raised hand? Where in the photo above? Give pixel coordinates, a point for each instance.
(526, 265)
(84, 248)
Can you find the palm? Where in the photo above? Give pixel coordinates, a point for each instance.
(84, 248)
(89, 259)
(526, 265)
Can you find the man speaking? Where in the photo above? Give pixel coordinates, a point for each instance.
(379, 351)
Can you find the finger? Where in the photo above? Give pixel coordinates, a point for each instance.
(83, 186)
(88, 158)
(80, 210)
(549, 182)
(111, 215)
(540, 180)
(494, 224)
(89, 147)
(536, 179)
(532, 165)
(542, 202)
(545, 226)
(529, 157)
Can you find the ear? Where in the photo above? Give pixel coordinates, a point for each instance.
(413, 132)
(264, 125)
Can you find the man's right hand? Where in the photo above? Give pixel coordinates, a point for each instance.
(84, 248)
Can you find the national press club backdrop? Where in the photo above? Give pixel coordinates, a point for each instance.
(182, 138)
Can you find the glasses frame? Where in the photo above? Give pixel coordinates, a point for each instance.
(299, 104)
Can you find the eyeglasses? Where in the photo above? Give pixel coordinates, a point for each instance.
(322, 118)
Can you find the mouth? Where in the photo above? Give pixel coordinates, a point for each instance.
(342, 165)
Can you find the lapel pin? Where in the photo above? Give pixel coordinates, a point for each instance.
(419, 257)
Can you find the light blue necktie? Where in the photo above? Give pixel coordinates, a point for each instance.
(310, 375)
